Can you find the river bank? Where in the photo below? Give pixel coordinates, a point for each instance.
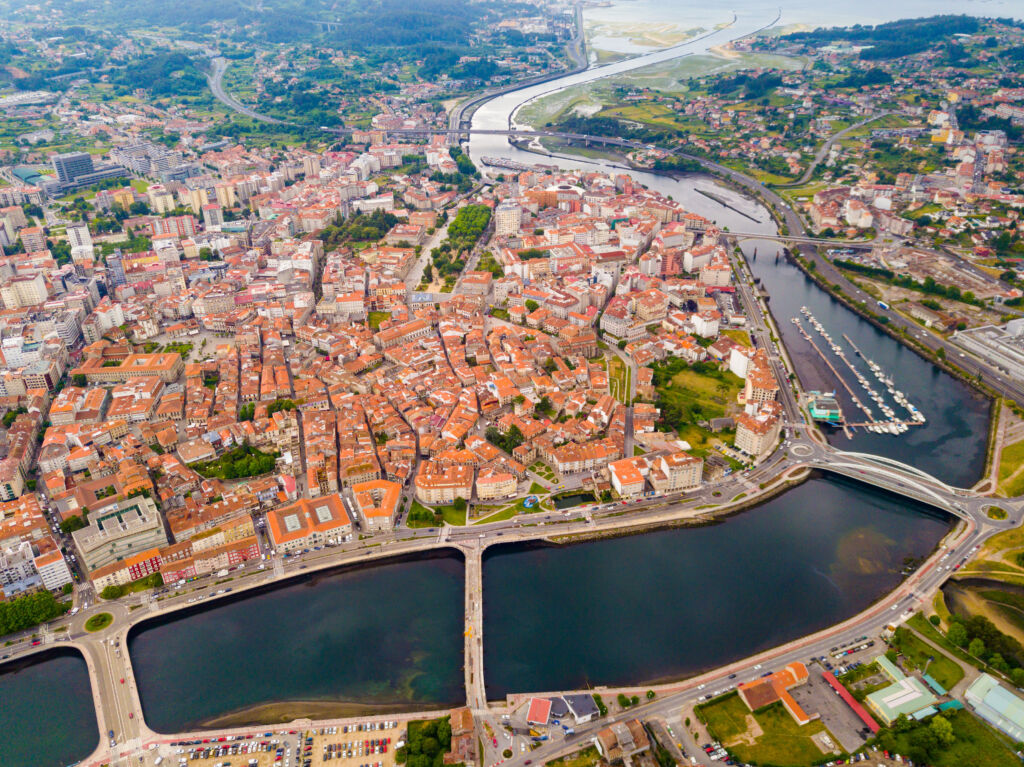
(705, 596)
(706, 517)
(283, 712)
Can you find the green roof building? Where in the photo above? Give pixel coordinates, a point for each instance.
(906, 695)
(997, 706)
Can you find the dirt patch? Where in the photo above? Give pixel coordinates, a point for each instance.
(824, 741)
(749, 737)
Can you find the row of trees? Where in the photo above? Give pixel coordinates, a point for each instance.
(929, 286)
(467, 227)
(29, 610)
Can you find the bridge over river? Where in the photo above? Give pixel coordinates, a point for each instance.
(118, 704)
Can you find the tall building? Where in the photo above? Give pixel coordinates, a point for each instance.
(71, 165)
(115, 269)
(78, 235)
(507, 219)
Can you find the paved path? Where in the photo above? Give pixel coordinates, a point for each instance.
(970, 672)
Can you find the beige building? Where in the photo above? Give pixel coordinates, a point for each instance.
(758, 433)
(120, 530)
(377, 503)
(438, 485)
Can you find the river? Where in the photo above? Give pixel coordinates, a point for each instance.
(384, 635)
(46, 714)
(952, 443)
(672, 603)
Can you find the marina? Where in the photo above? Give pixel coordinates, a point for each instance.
(890, 423)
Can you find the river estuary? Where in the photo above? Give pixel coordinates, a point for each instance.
(53, 722)
(642, 608)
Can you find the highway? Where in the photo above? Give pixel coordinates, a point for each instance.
(216, 80)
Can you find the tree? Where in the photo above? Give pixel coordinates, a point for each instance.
(531, 305)
(976, 647)
(459, 504)
(942, 730)
(112, 592)
(650, 695)
(957, 634)
(1017, 676)
(71, 524)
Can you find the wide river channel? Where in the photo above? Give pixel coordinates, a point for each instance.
(642, 608)
(47, 717)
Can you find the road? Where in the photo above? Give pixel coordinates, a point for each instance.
(216, 80)
(824, 149)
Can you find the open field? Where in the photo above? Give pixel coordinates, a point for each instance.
(1011, 470)
(976, 744)
(916, 653)
(782, 741)
(694, 396)
(619, 376)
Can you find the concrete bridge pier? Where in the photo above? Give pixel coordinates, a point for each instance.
(476, 694)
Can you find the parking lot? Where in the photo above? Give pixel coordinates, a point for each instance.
(357, 748)
(818, 697)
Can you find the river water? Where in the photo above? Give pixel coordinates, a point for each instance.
(672, 603)
(687, 599)
(46, 713)
(952, 443)
(389, 634)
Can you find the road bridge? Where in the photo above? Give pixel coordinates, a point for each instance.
(118, 704)
(859, 244)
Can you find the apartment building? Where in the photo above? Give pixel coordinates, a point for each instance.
(377, 502)
(438, 484)
(308, 523)
(120, 530)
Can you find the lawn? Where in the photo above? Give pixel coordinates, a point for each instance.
(588, 757)
(424, 516)
(619, 376)
(783, 742)
(741, 337)
(536, 489)
(916, 653)
(543, 470)
(499, 516)
(99, 621)
(376, 318)
(1011, 460)
(976, 744)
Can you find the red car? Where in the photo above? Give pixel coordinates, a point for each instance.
(494, 741)
(122, 680)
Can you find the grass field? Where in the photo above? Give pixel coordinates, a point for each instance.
(376, 318)
(916, 653)
(783, 743)
(1011, 470)
(741, 337)
(619, 376)
(976, 745)
(697, 396)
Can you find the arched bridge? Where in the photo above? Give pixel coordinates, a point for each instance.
(908, 481)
